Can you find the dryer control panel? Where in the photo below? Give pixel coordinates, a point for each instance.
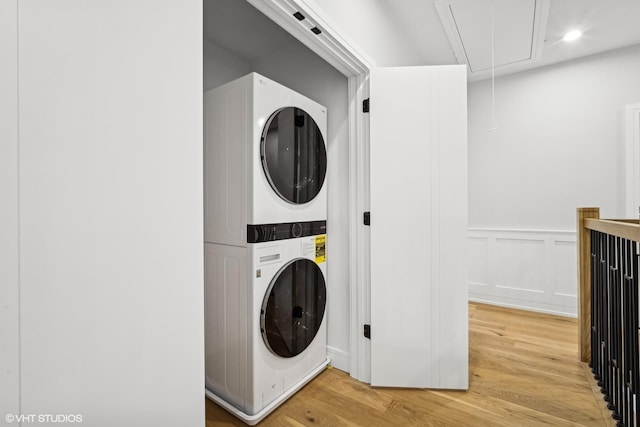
(288, 230)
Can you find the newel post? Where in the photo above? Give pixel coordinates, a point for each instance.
(584, 281)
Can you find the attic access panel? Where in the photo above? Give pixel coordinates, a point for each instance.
(519, 31)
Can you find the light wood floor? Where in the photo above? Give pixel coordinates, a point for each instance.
(524, 371)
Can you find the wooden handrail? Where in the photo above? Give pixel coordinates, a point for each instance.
(627, 229)
(631, 221)
(589, 219)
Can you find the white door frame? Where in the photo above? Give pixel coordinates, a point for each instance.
(632, 161)
(355, 65)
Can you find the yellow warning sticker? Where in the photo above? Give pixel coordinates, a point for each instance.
(321, 248)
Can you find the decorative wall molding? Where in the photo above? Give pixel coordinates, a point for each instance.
(528, 269)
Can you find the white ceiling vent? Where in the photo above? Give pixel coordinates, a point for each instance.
(518, 32)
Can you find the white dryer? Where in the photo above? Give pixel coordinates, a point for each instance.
(265, 158)
(265, 327)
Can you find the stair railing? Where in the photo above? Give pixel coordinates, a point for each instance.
(608, 325)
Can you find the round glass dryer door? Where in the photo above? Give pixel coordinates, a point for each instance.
(294, 157)
(293, 308)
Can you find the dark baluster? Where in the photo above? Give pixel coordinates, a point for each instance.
(613, 358)
(628, 258)
(600, 307)
(595, 314)
(630, 279)
(630, 328)
(606, 319)
(615, 324)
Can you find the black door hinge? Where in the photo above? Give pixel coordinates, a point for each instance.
(367, 331)
(366, 218)
(365, 105)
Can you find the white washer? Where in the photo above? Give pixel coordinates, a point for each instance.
(265, 328)
(265, 158)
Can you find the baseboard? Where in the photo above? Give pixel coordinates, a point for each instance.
(521, 306)
(338, 359)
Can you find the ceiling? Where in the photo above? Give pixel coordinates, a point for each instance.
(606, 25)
(527, 33)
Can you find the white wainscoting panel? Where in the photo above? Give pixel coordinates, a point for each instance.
(528, 269)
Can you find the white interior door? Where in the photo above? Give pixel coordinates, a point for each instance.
(418, 190)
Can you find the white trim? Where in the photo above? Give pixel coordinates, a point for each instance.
(329, 45)
(355, 64)
(632, 161)
(339, 359)
(525, 307)
(360, 261)
(354, 244)
(521, 231)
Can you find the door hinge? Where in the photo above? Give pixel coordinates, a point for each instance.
(365, 105)
(367, 331)
(366, 218)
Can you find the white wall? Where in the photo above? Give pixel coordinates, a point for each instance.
(300, 69)
(559, 145)
(221, 66)
(110, 173)
(9, 267)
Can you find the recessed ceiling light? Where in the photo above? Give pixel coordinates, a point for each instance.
(572, 35)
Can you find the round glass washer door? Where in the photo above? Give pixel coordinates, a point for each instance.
(293, 153)
(293, 308)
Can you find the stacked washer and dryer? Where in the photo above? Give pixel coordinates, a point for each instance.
(265, 244)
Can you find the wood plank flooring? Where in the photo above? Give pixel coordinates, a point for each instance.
(524, 371)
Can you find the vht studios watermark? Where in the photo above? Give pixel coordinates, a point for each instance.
(43, 418)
